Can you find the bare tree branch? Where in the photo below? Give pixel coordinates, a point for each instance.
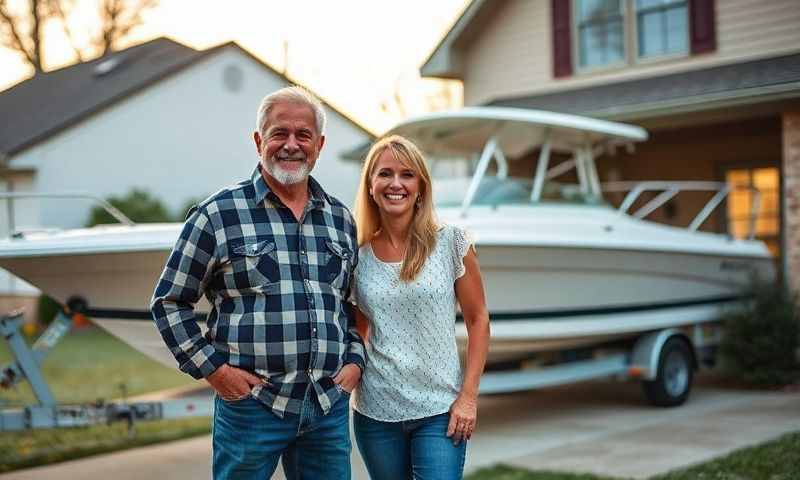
(61, 10)
(22, 30)
(119, 19)
(36, 36)
(12, 38)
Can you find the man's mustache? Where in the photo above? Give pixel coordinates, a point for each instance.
(295, 157)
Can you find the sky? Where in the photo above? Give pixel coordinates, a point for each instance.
(359, 55)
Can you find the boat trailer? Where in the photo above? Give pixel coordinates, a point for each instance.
(48, 413)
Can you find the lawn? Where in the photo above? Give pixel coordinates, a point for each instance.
(41, 447)
(503, 472)
(89, 364)
(775, 460)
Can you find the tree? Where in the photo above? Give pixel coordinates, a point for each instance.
(180, 215)
(138, 205)
(22, 29)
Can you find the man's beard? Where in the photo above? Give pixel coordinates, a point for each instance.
(285, 177)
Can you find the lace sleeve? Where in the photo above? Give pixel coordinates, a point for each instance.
(462, 242)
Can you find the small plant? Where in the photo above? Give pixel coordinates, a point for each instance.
(139, 205)
(183, 211)
(760, 342)
(47, 309)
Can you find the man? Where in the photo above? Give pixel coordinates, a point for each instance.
(274, 255)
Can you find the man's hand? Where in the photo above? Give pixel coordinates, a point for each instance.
(233, 383)
(348, 377)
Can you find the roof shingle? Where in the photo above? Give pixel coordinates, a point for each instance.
(48, 102)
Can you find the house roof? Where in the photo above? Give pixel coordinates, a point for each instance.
(774, 78)
(47, 103)
(444, 61)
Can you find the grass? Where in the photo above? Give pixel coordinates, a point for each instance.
(775, 460)
(41, 447)
(778, 459)
(87, 365)
(90, 364)
(503, 472)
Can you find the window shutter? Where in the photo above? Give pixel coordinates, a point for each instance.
(703, 28)
(562, 38)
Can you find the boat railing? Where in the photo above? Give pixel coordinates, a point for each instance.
(10, 197)
(669, 189)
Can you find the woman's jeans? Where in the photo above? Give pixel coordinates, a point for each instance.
(248, 440)
(412, 449)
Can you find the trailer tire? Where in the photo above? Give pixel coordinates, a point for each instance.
(674, 379)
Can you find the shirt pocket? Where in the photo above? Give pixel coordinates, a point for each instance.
(336, 266)
(254, 264)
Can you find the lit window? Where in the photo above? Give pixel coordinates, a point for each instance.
(740, 205)
(601, 32)
(662, 27)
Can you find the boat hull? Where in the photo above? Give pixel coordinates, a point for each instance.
(540, 298)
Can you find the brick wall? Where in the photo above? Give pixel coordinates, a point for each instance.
(791, 191)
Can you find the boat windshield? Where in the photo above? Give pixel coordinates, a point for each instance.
(494, 191)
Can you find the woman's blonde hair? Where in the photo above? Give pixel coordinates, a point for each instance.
(422, 232)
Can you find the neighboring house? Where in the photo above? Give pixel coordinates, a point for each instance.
(717, 84)
(158, 116)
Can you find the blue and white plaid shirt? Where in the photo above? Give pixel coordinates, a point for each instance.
(277, 287)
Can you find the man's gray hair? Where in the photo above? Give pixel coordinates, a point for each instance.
(293, 94)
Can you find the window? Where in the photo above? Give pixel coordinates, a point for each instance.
(740, 204)
(612, 32)
(601, 33)
(662, 27)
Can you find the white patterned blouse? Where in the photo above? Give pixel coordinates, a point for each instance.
(413, 370)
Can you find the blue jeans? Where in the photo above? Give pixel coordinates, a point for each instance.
(413, 449)
(248, 439)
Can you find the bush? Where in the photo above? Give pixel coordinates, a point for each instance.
(139, 205)
(47, 309)
(760, 341)
(180, 215)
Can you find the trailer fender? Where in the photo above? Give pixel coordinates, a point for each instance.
(647, 351)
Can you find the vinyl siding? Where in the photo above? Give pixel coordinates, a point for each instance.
(512, 56)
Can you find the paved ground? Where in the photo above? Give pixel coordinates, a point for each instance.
(599, 427)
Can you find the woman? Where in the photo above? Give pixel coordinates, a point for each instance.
(415, 409)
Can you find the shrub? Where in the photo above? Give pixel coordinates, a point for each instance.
(139, 205)
(760, 341)
(47, 309)
(180, 215)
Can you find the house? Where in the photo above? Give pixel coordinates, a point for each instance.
(158, 116)
(716, 82)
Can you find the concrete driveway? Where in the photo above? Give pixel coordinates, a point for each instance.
(599, 427)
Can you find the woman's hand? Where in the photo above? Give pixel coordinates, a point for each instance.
(463, 415)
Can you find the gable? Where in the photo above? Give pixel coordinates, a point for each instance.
(48, 103)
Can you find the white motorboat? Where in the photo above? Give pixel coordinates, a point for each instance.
(562, 268)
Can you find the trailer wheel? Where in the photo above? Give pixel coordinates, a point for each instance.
(674, 380)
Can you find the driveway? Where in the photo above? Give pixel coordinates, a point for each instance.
(599, 427)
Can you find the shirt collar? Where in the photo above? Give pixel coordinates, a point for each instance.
(318, 196)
